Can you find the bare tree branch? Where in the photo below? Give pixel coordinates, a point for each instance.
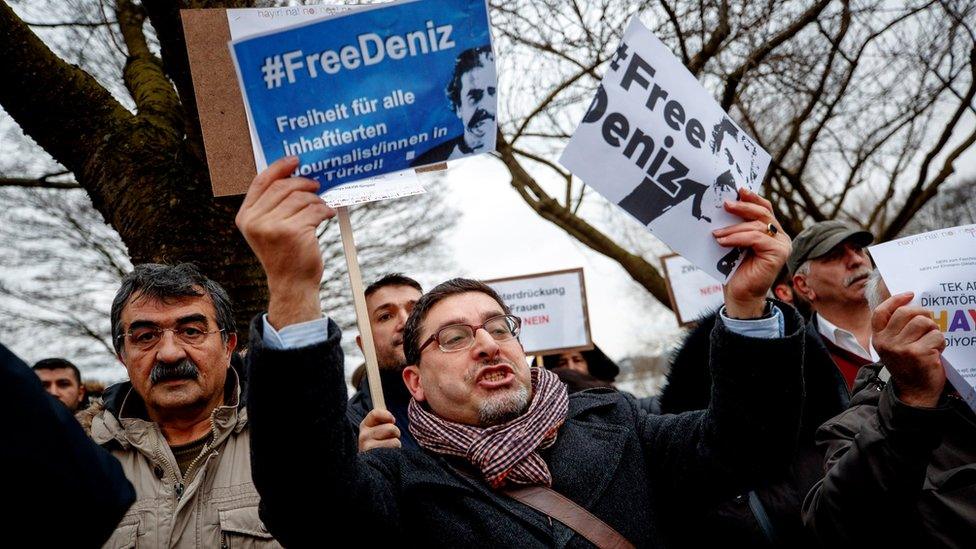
(714, 44)
(757, 55)
(920, 192)
(152, 91)
(40, 183)
(59, 105)
(89, 24)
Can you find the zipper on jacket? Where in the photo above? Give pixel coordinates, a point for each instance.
(157, 455)
(179, 487)
(205, 452)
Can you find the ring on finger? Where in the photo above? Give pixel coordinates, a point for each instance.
(771, 229)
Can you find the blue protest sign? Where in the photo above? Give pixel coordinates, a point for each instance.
(374, 91)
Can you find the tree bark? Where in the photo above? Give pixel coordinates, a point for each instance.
(144, 173)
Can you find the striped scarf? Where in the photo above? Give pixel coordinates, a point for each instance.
(505, 453)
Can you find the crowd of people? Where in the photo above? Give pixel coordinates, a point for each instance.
(810, 410)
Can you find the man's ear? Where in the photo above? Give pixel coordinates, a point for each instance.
(231, 344)
(802, 289)
(359, 343)
(783, 292)
(411, 378)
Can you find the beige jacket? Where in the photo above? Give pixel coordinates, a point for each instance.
(213, 505)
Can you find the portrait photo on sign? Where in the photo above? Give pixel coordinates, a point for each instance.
(471, 94)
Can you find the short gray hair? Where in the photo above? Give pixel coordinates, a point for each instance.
(158, 281)
(803, 269)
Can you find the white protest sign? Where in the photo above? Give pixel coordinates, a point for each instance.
(940, 268)
(694, 294)
(552, 307)
(657, 144)
(246, 22)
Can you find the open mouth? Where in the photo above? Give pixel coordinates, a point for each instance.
(495, 376)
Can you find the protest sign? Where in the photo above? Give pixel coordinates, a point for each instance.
(940, 268)
(220, 106)
(377, 90)
(693, 293)
(246, 22)
(552, 307)
(657, 144)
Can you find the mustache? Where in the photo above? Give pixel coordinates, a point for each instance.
(184, 369)
(480, 115)
(856, 277)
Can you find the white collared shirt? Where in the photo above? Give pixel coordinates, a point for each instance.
(844, 339)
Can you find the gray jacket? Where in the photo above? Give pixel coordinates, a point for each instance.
(213, 505)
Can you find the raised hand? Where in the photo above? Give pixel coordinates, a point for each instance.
(910, 345)
(745, 292)
(278, 219)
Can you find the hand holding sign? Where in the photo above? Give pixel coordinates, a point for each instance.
(278, 219)
(939, 269)
(377, 430)
(765, 254)
(910, 345)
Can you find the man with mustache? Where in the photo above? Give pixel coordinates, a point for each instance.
(178, 426)
(507, 458)
(473, 96)
(897, 465)
(389, 302)
(830, 268)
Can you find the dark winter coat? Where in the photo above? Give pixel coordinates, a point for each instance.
(623, 465)
(62, 489)
(738, 521)
(897, 476)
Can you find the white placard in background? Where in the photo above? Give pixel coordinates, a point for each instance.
(940, 267)
(552, 307)
(694, 294)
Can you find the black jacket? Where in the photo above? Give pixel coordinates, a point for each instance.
(897, 476)
(736, 522)
(623, 465)
(62, 489)
(397, 398)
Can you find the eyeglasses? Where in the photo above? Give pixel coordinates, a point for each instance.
(458, 337)
(148, 337)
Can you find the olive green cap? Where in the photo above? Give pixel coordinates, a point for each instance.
(818, 239)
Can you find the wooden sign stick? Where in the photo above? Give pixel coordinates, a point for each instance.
(362, 315)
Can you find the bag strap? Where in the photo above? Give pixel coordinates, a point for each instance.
(552, 503)
(759, 511)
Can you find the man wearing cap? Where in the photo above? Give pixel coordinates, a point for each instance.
(830, 267)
